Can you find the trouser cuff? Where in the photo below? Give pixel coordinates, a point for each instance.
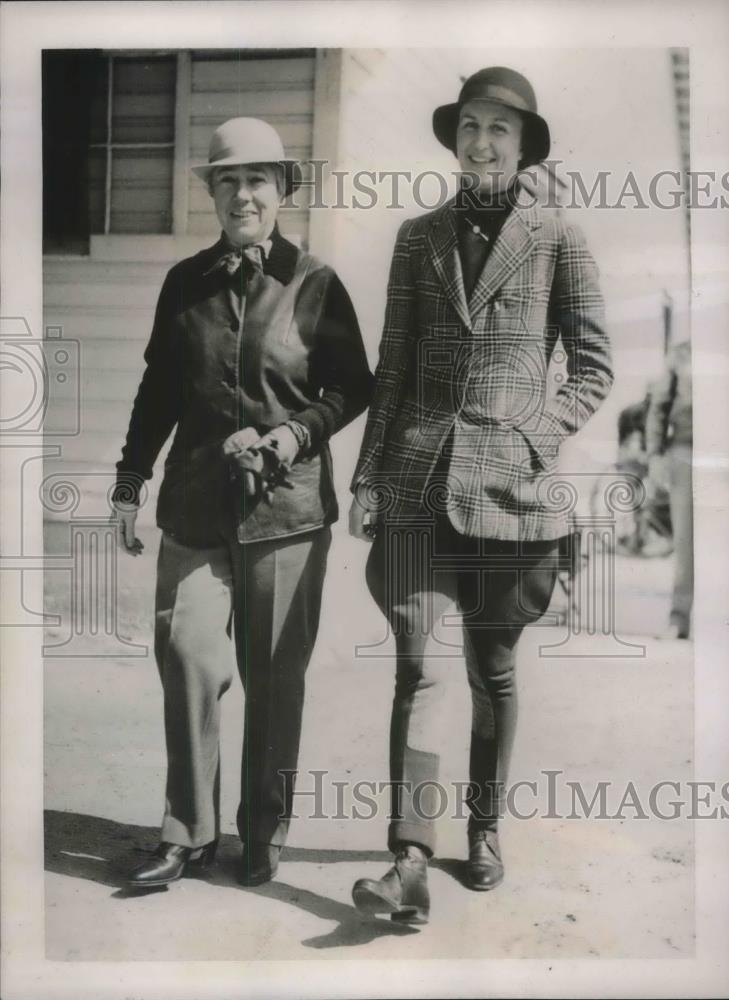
(176, 832)
(274, 832)
(401, 831)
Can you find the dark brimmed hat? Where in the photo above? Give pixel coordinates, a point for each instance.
(248, 140)
(504, 86)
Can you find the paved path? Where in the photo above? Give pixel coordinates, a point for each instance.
(574, 887)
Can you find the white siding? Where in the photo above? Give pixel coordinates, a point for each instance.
(108, 309)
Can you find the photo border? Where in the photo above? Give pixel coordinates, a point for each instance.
(27, 28)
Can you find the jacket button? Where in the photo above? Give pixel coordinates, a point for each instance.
(234, 326)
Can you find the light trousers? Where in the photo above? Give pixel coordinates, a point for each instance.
(269, 595)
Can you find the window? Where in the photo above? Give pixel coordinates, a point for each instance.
(131, 149)
(120, 130)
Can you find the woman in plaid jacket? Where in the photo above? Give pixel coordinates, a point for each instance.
(456, 479)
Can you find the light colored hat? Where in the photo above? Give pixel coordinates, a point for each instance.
(248, 140)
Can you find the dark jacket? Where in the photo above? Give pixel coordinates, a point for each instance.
(249, 350)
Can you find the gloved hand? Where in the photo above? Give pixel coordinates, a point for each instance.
(125, 516)
(282, 441)
(243, 462)
(239, 441)
(262, 462)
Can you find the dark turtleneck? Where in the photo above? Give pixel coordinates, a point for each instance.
(480, 218)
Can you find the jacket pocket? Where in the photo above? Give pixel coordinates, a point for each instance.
(195, 496)
(544, 448)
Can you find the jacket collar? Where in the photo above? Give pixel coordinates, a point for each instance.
(442, 239)
(282, 258)
(280, 262)
(511, 248)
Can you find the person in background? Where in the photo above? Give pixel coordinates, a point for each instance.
(669, 445)
(645, 531)
(256, 359)
(460, 448)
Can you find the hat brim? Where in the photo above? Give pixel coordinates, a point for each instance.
(537, 139)
(291, 169)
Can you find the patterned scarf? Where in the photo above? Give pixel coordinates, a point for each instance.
(231, 261)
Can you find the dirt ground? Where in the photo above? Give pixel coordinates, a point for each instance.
(614, 888)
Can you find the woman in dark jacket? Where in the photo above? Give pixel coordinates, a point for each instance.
(256, 358)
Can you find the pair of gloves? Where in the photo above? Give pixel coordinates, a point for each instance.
(262, 463)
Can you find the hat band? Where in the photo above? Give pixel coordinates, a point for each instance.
(229, 153)
(493, 92)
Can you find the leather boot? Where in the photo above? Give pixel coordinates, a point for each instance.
(484, 868)
(258, 863)
(169, 863)
(402, 891)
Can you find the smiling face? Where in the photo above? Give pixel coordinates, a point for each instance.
(488, 143)
(247, 199)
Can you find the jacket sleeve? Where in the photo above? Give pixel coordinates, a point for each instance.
(394, 359)
(156, 407)
(339, 368)
(577, 309)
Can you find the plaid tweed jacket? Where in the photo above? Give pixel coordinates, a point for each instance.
(475, 375)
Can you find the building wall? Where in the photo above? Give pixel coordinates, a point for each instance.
(108, 307)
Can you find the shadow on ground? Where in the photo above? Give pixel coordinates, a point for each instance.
(104, 851)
